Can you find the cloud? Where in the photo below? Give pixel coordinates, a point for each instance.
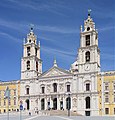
(10, 37)
(56, 29)
(22, 27)
(13, 25)
(54, 6)
(107, 28)
(60, 53)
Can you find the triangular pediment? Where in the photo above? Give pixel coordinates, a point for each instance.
(55, 71)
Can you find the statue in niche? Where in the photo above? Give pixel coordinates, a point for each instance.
(48, 88)
(74, 102)
(61, 87)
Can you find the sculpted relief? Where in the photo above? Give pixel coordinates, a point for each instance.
(61, 87)
(48, 88)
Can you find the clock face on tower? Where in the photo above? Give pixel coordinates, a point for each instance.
(87, 67)
(27, 75)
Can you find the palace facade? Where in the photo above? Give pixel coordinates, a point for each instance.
(83, 88)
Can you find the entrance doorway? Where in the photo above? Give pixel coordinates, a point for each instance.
(42, 104)
(61, 105)
(87, 102)
(87, 113)
(27, 104)
(55, 103)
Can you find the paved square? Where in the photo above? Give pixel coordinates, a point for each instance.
(37, 117)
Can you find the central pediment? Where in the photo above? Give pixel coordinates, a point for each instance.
(55, 71)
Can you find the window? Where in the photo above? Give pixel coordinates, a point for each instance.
(68, 88)
(36, 66)
(106, 110)
(113, 86)
(28, 65)
(28, 51)
(114, 97)
(106, 97)
(87, 86)
(55, 87)
(4, 101)
(87, 40)
(14, 92)
(87, 56)
(106, 86)
(114, 110)
(9, 101)
(27, 91)
(43, 89)
(30, 40)
(14, 100)
(36, 51)
(88, 28)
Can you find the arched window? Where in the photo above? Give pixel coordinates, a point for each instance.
(87, 86)
(14, 100)
(55, 87)
(88, 28)
(27, 91)
(87, 40)
(87, 56)
(36, 66)
(28, 65)
(87, 102)
(28, 51)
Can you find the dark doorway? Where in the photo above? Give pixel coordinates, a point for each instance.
(27, 104)
(68, 103)
(55, 103)
(87, 102)
(87, 113)
(61, 105)
(48, 105)
(42, 104)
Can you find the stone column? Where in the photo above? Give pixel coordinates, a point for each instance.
(64, 103)
(51, 103)
(58, 103)
(39, 104)
(45, 103)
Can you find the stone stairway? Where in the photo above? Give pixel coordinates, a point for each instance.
(59, 113)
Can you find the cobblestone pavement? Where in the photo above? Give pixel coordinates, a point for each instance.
(37, 117)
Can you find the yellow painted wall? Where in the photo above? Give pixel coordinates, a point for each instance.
(13, 85)
(110, 78)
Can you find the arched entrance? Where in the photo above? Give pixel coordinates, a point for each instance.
(68, 103)
(55, 103)
(42, 104)
(87, 101)
(27, 104)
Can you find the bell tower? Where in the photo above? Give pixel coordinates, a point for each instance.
(88, 63)
(31, 63)
(88, 53)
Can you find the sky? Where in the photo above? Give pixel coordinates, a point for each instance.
(57, 26)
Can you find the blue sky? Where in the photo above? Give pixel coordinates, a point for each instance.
(57, 24)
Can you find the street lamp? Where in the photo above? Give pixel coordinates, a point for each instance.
(68, 103)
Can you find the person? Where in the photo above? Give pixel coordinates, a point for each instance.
(29, 113)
